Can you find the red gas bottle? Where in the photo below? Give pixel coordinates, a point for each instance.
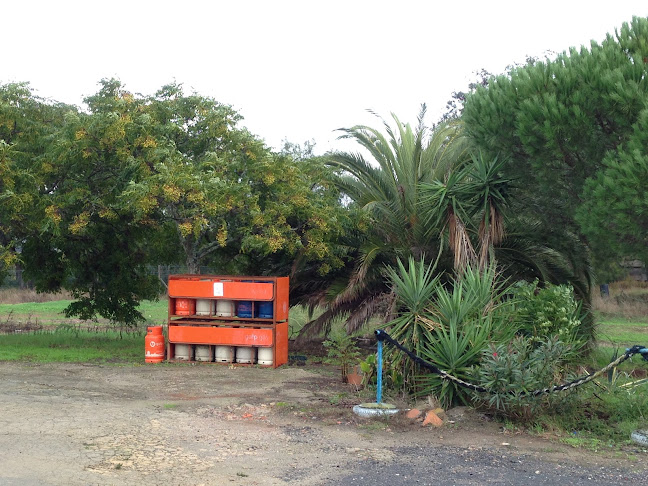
(154, 345)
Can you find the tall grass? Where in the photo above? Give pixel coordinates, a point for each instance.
(628, 299)
(622, 317)
(12, 295)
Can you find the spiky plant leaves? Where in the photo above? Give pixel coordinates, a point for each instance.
(414, 287)
(446, 325)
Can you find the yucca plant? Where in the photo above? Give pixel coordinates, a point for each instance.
(447, 326)
(471, 315)
(414, 287)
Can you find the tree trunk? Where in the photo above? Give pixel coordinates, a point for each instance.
(191, 256)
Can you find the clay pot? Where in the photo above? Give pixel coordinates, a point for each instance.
(354, 376)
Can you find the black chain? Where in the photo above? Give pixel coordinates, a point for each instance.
(383, 336)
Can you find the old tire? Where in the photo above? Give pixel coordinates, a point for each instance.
(640, 437)
(375, 409)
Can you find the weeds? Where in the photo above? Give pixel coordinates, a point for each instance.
(19, 296)
(11, 324)
(342, 352)
(337, 398)
(626, 300)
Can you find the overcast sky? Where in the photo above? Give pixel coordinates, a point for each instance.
(294, 69)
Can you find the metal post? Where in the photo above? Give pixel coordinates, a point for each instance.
(379, 372)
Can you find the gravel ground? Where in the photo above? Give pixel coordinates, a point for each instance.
(74, 424)
(450, 465)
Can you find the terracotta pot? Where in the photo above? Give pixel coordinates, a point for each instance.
(354, 376)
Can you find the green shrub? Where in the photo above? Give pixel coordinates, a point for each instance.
(608, 416)
(342, 352)
(456, 350)
(414, 287)
(448, 326)
(548, 311)
(509, 371)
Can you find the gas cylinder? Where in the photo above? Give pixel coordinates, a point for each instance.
(225, 308)
(264, 356)
(204, 307)
(264, 310)
(244, 309)
(185, 307)
(154, 345)
(201, 353)
(245, 354)
(224, 354)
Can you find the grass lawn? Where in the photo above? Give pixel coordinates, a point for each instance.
(622, 330)
(72, 345)
(55, 338)
(51, 313)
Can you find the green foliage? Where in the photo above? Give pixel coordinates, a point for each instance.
(456, 351)
(91, 198)
(369, 368)
(471, 315)
(446, 326)
(384, 190)
(473, 196)
(510, 370)
(607, 415)
(342, 352)
(573, 129)
(414, 287)
(236, 206)
(27, 125)
(614, 213)
(91, 238)
(548, 311)
(69, 344)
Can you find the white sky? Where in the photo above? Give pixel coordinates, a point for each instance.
(294, 69)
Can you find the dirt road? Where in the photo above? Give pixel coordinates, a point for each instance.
(69, 424)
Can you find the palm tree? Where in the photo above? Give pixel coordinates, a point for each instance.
(386, 187)
(474, 193)
(422, 194)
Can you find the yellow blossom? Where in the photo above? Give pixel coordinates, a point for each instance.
(80, 222)
(108, 213)
(8, 258)
(52, 213)
(222, 235)
(172, 193)
(299, 200)
(185, 228)
(146, 142)
(195, 197)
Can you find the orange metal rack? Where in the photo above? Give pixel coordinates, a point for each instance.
(214, 330)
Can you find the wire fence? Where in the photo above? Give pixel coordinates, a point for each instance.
(15, 278)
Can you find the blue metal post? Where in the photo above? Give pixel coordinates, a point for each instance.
(379, 372)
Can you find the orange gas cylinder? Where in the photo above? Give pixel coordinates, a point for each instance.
(154, 345)
(185, 307)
